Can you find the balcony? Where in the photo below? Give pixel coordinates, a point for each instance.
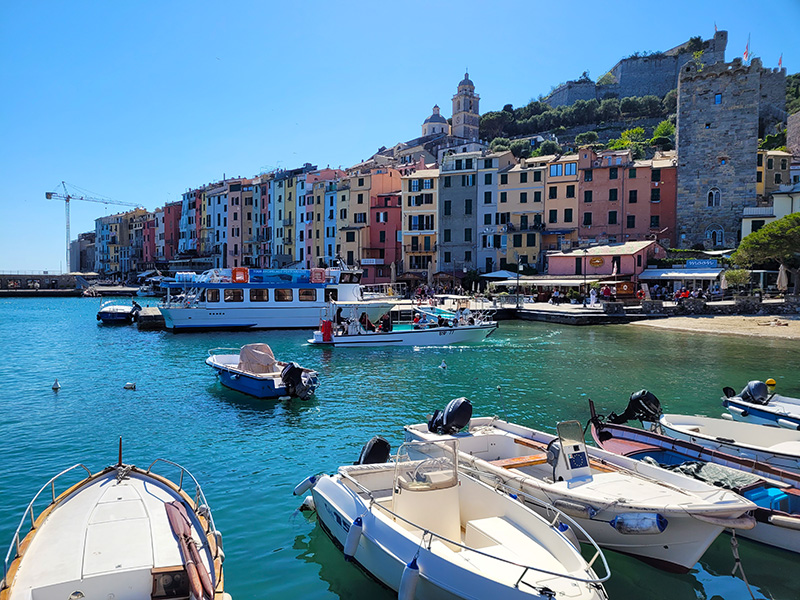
(287, 222)
(288, 241)
(758, 211)
(419, 249)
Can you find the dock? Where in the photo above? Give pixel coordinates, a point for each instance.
(150, 319)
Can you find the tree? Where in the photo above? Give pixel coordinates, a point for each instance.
(630, 106)
(607, 79)
(590, 137)
(521, 148)
(664, 136)
(737, 277)
(651, 106)
(493, 124)
(630, 138)
(670, 102)
(500, 144)
(548, 147)
(609, 110)
(778, 241)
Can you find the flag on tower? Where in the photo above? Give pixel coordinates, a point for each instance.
(780, 61)
(715, 27)
(747, 50)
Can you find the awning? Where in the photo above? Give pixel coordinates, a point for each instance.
(542, 282)
(503, 274)
(679, 274)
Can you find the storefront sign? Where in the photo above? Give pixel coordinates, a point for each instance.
(701, 263)
(597, 261)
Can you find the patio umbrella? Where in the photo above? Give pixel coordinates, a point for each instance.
(723, 282)
(430, 275)
(393, 271)
(783, 279)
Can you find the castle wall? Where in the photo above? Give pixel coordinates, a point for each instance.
(570, 92)
(717, 145)
(793, 135)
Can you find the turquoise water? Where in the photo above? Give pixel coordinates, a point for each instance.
(249, 454)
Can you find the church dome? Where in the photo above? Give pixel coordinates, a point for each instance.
(435, 117)
(466, 81)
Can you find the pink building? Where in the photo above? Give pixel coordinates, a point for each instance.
(149, 242)
(622, 261)
(383, 246)
(172, 229)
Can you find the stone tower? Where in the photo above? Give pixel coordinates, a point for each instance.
(466, 117)
(436, 123)
(722, 110)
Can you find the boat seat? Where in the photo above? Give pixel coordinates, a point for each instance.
(517, 462)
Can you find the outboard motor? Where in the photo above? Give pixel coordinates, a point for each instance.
(292, 378)
(642, 406)
(755, 392)
(455, 416)
(376, 451)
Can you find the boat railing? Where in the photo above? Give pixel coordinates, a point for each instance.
(526, 568)
(202, 507)
(15, 542)
(215, 351)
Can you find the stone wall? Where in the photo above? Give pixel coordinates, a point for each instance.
(717, 146)
(793, 135)
(570, 92)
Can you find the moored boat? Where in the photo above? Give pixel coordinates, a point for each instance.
(441, 329)
(775, 492)
(124, 532)
(113, 313)
(243, 298)
(253, 370)
(756, 404)
(428, 531)
(661, 517)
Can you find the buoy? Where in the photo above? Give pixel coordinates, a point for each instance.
(129, 386)
(305, 485)
(408, 582)
(308, 504)
(56, 385)
(353, 536)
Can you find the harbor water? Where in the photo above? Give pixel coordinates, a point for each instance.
(249, 454)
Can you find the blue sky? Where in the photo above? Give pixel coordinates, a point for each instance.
(138, 101)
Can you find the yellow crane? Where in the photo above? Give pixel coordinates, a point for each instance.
(67, 197)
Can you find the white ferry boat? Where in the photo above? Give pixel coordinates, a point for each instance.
(242, 298)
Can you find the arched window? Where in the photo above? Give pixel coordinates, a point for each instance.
(716, 235)
(713, 197)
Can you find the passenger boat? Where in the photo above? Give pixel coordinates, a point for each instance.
(440, 329)
(243, 298)
(779, 448)
(775, 492)
(428, 531)
(253, 370)
(112, 313)
(755, 404)
(660, 517)
(124, 533)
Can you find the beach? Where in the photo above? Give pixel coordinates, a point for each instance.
(770, 326)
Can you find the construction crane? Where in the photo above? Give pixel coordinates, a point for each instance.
(67, 197)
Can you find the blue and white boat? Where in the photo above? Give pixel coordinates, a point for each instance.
(243, 298)
(113, 313)
(253, 370)
(755, 404)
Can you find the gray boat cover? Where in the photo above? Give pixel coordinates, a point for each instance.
(718, 475)
(257, 358)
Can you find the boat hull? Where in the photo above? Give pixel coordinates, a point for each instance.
(772, 415)
(265, 387)
(636, 491)
(435, 336)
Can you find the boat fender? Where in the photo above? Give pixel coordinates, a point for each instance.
(575, 509)
(221, 555)
(639, 523)
(129, 386)
(408, 582)
(786, 522)
(737, 409)
(308, 504)
(217, 538)
(787, 424)
(305, 485)
(569, 533)
(353, 537)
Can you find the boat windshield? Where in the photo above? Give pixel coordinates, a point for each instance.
(424, 466)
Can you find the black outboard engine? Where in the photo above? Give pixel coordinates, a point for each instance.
(755, 392)
(642, 406)
(455, 416)
(292, 378)
(376, 451)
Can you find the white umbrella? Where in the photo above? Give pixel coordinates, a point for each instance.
(723, 282)
(430, 274)
(783, 279)
(393, 271)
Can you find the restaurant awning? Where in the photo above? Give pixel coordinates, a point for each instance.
(679, 274)
(503, 274)
(541, 282)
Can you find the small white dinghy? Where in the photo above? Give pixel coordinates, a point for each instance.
(422, 528)
(756, 404)
(123, 533)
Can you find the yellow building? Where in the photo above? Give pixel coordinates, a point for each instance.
(561, 203)
(420, 200)
(520, 211)
(772, 171)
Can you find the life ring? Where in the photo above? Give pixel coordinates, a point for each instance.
(240, 275)
(640, 294)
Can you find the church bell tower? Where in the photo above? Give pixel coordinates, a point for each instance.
(466, 116)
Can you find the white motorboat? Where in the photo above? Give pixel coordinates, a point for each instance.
(243, 298)
(113, 313)
(777, 447)
(253, 370)
(441, 329)
(124, 533)
(429, 532)
(755, 404)
(661, 517)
